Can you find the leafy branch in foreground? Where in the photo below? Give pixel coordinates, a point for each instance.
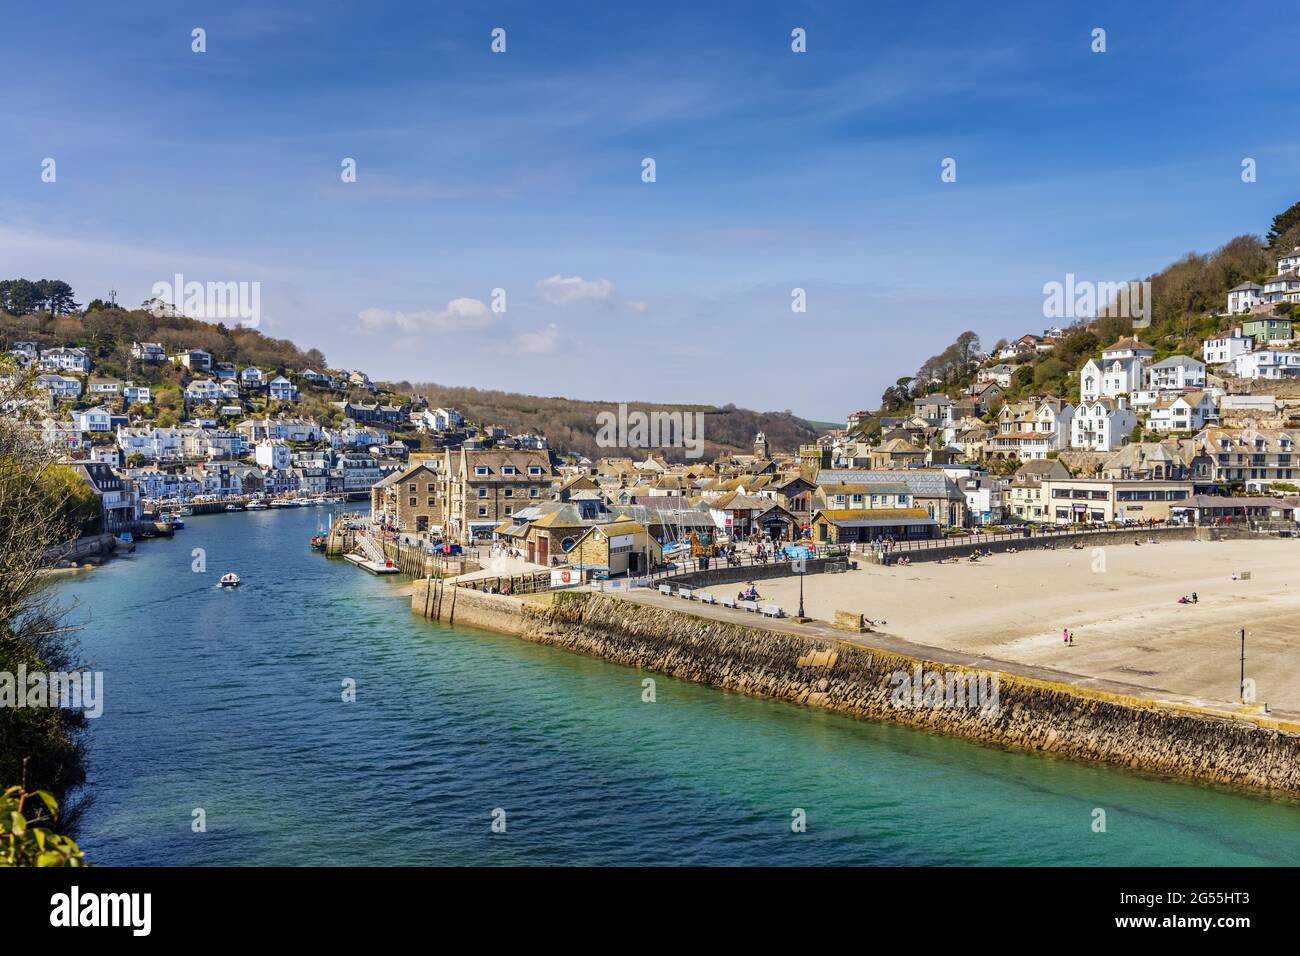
(22, 841)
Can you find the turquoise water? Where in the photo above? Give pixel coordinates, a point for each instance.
(230, 702)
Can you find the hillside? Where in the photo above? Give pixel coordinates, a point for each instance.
(572, 425)
(1188, 298)
(107, 332)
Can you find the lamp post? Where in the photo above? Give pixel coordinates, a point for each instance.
(800, 568)
(1243, 665)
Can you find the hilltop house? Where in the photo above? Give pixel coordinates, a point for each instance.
(65, 360)
(1244, 297)
(149, 352)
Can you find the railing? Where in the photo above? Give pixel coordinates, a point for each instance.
(743, 560)
(967, 540)
(510, 583)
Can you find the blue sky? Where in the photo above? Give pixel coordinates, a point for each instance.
(522, 171)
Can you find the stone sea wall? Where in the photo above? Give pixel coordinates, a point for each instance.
(845, 677)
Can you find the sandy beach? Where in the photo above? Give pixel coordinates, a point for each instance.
(1120, 601)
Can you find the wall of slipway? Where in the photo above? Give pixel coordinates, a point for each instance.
(850, 678)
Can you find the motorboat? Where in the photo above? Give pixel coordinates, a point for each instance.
(256, 506)
(230, 580)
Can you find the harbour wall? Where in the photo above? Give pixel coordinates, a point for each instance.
(853, 678)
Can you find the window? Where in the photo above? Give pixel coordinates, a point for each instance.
(481, 470)
(534, 470)
(412, 502)
(510, 510)
(532, 492)
(431, 501)
(510, 493)
(482, 493)
(482, 512)
(508, 470)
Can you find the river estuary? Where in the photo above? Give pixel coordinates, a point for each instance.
(230, 702)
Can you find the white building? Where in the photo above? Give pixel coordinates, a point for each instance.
(93, 420)
(59, 386)
(152, 352)
(202, 390)
(1282, 288)
(1177, 372)
(1102, 424)
(272, 454)
(196, 360)
(137, 394)
(1190, 412)
(65, 360)
(1225, 348)
(1289, 262)
(1244, 297)
(282, 390)
(1267, 363)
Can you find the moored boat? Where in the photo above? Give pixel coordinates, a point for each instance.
(230, 580)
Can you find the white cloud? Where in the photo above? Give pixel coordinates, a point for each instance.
(460, 315)
(636, 306)
(561, 290)
(539, 343)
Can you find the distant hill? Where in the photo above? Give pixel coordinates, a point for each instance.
(107, 332)
(571, 425)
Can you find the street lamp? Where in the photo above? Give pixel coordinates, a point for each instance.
(800, 568)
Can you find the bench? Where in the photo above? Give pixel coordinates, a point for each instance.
(771, 610)
(685, 593)
(707, 598)
(727, 602)
(666, 589)
(750, 606)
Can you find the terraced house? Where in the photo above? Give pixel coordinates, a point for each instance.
(1249, 454)
(486, 486)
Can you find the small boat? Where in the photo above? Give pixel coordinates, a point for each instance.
(234, 508)
(187, 511)
(318, 542)
(176, 522)
(230, 580)
(255, 506)
(281, 503)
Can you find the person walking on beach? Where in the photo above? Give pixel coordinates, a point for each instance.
(1065, 635)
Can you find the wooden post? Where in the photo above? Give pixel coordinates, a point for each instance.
(451, 619)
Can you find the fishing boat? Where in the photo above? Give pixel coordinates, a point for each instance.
(230, 580)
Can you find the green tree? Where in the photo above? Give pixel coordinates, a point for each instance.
(23, 842)
(1283, 224)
